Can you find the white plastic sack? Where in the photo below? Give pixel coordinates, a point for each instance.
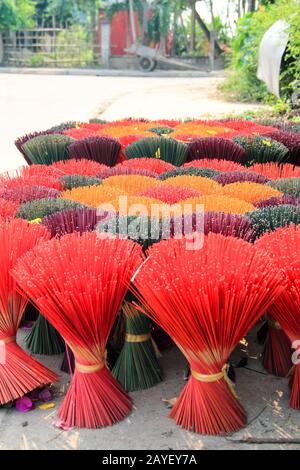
(271, 50)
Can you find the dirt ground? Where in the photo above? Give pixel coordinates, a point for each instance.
(30, 102)
(271, 423)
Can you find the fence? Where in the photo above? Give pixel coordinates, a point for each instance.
(54, 47)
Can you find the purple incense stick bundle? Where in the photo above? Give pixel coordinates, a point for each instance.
(100, 149)
(216, 147)
(71, 220)
(239, 176)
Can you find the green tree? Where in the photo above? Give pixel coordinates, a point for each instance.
(15, 14)
(243, 83)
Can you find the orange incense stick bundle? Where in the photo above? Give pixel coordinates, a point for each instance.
(282, 247)
(207, 300)
(19, 373)
(78, 283)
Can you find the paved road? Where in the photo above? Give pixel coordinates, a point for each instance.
(35, 102)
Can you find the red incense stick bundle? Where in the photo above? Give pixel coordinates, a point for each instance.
(7, 208)
(277, 353)
(40, 170)
(283, 249)
(19, 373)
(10, 182)
(81, 167)
(78, 283)
(214, 163)
(207, 300)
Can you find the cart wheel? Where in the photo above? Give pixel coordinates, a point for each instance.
(147, 64)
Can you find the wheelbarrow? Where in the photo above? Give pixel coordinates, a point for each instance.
(149, 56)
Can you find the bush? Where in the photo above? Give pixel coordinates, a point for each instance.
(242, 83)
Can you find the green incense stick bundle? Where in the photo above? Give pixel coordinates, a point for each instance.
(137, 367)
(43, 338)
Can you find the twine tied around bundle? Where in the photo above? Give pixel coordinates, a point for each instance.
(223, 374)
(7, 340)
(129, 338)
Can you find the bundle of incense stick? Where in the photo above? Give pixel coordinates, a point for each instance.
(277, 352)
(215, 164)
(71, 220)
(239, 176)
(282, 247)
(170, 150)
(137, 367)
(8, 181)
(125, 170)
(44, 339)
(19, 373)
(7, 209)
(78, 283)
(231, 225)
(151, 164)
(102, 149)
(28, 193)
(207, 300)
(46, 149)
(81, 167)
(216, 147)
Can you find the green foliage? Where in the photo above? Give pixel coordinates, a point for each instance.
(243, 84)
(16, 14)
(112, 9)
(35, 60)
(74, 47)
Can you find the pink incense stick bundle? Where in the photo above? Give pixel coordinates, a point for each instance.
(215, 164)
(282, 247)
(152, 164)
(78, 283)
(124, 170)
(19, 373)
(29, 193)
(207, 300)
